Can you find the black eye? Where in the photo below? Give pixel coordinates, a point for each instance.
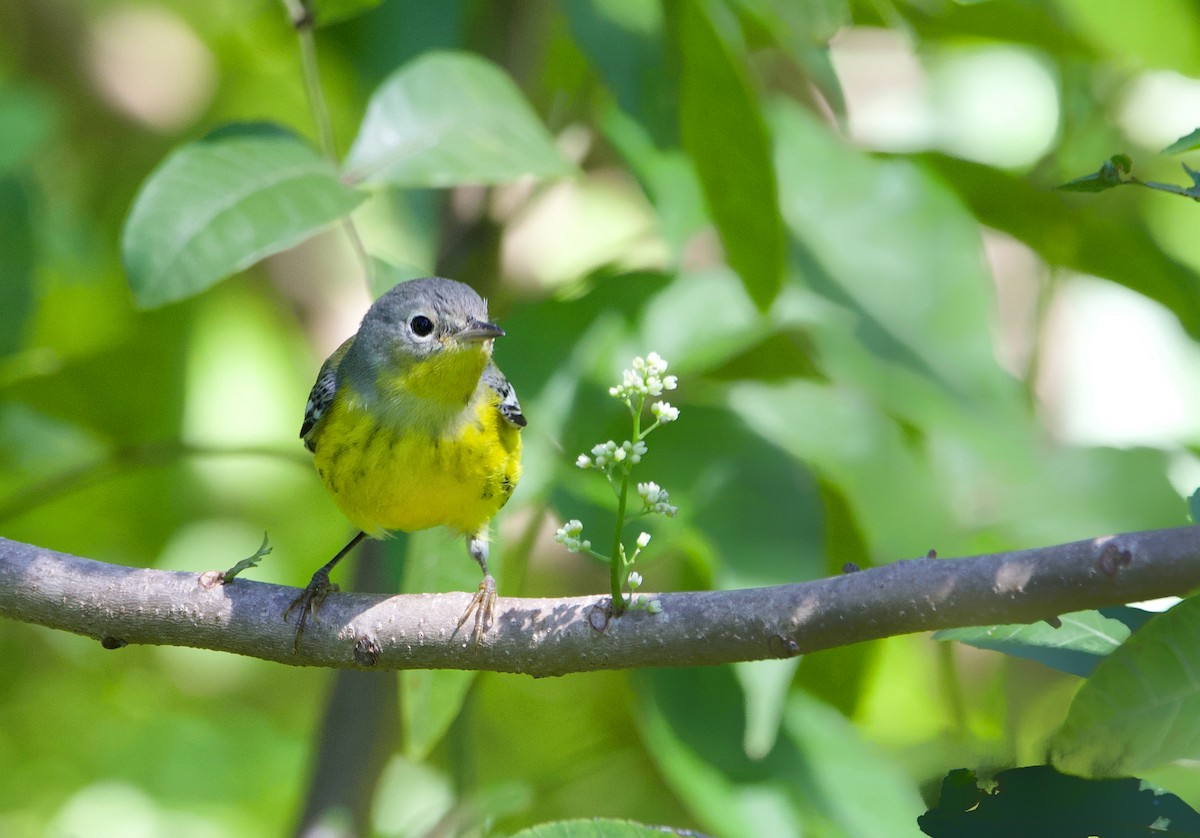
(421, 325)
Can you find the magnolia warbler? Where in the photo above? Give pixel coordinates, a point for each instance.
(412, 426)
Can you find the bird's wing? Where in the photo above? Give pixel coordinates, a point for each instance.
(510, 407)
(321, 394)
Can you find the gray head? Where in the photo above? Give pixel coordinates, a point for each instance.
(420, 318)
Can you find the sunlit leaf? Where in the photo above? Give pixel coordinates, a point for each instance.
(723, 131)
(218, 205)
(895, 245)
(1114, 243)
(1081, 641)
(598, 828)
(1141, 707)
(451, 118)
(1188, 142)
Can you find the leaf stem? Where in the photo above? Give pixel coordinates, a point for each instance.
(301, 15)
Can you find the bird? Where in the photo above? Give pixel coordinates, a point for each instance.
(413, 426)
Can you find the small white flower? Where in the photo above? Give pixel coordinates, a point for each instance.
(620, 454)
(636, 451)
(664, 412)
(568, 536)
(645, 379)
(643, 540)
(635, 580)
(656, 499)
(584, 461)
(654, 606)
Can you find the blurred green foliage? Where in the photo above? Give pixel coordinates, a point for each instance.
(867, 327)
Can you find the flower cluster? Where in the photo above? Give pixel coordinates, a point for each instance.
(645, 379)
(655, 499)
(607, 454)
(568, 535)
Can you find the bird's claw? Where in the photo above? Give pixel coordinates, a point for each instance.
(483, 607)
(308, 602)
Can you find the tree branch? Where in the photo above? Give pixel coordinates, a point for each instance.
(119, 605)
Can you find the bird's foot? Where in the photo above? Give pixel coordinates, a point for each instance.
(309, 601)
(482, 607)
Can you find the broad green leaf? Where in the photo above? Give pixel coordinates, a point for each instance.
(450, 118)
(1037, 800)
(1083, 640)
(16, 263)
(723, 131)
(813, 781)
(891, 490)
(1188, 142)
(218, 205)
(596, 828)
(430, 699)
(845, 771)
(896, 245)
(624, 46)
(1141, 707)
(1112, 241)
(27, 118)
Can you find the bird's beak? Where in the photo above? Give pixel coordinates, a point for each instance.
(479, 330)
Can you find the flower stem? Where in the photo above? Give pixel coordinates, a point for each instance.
(617, 563)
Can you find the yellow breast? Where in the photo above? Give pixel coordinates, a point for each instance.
(388, 477)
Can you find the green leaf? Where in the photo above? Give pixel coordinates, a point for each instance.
(598, 828)
(1114, 243)
(839, 762)
(219, 205)
(250, 561)
(335, 11)
(1037, 800)
(1141, 707)
(723, 131)
(894, 245)
(1110, 174)
(1194, 506)
(16, 263)
(450, 118)
(624, 45)
(811, 782)
(1188, 142)
(1083, 640)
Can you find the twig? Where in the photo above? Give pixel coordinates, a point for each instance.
(120, 605)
